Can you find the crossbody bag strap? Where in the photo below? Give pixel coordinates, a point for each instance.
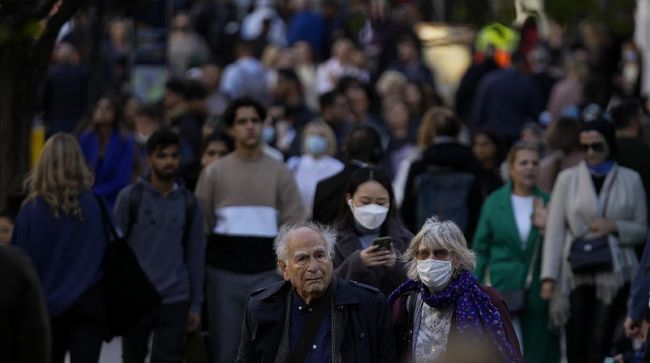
(310, 329)
(533, 260)
(603, 210)
(107, 221)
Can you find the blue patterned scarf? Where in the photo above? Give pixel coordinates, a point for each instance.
(475, 313)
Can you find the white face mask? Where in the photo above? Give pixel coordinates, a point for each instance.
(435, 274)
(141, 138)
(369, 216)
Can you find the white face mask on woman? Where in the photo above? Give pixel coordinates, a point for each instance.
(435, 274)
(370, 216)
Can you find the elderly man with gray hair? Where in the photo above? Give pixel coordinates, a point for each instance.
(310, 316)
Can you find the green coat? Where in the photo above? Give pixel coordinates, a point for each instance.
(499, 252)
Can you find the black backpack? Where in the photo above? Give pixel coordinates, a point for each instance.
(443, 192)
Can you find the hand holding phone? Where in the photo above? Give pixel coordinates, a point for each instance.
(382, 242)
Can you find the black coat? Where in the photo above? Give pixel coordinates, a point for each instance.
(347, 258)
(24, 331)
(453, 156)
(366, 323)
(329, 194)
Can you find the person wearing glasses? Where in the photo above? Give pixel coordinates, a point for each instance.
(596, 205)
(441, 313)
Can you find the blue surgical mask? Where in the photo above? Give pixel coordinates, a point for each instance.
(268, 134)
(316, 145)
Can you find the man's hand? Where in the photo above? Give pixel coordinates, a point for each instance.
(547, 289)
(193, 322)
(632, 328)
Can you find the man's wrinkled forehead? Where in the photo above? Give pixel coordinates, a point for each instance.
(306, 241)
(309, 251)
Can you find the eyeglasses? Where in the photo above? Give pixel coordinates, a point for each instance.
(438, 253)
(597, 147)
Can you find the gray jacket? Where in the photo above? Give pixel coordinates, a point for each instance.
(156, 237)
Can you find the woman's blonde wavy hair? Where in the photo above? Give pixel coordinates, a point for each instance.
(60, 175)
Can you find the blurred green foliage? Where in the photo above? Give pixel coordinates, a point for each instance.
(617, 15)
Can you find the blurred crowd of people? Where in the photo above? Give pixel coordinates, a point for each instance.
(281, 112)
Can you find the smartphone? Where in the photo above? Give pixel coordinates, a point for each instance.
(382, 242)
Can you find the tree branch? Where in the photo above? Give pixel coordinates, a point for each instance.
(43, 9)
(45, 43)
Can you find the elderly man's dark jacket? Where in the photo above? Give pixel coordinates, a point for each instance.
(359, 311)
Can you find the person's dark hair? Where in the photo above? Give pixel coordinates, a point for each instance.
(364, 144)
(494, 138)
(602, 124)
(328, 99)
(624, 113)
(230, 112)
(176, 85)
(444, 121)
(150, 110)
(218, 136)
(563, 134)
(194, 90)
(244, 46)
(117, 109)
(356, 179)
(290, 75)
(349, 82)
(161, 139)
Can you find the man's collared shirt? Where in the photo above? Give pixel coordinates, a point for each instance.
(321, 348)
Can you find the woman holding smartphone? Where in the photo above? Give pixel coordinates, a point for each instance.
(367, 218)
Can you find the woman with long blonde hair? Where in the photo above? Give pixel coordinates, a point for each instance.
(60, 226)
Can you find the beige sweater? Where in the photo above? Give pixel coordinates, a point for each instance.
(245, 202)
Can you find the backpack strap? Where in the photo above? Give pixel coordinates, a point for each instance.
(135, 199)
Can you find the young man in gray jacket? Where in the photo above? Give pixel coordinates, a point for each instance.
(164, 227)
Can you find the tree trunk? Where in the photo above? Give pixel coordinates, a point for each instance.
(24, 57)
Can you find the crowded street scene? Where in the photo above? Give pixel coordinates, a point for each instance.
(324, 181)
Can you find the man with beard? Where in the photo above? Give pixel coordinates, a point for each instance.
(163, 224)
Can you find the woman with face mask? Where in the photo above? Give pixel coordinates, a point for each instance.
(441, 313)
(368, 212)
(317, 161)
(507, 243)
(596, 205)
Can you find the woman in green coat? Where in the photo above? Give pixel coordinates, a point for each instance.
(508, 241)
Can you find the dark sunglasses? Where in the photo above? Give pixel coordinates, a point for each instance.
(597, 147)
